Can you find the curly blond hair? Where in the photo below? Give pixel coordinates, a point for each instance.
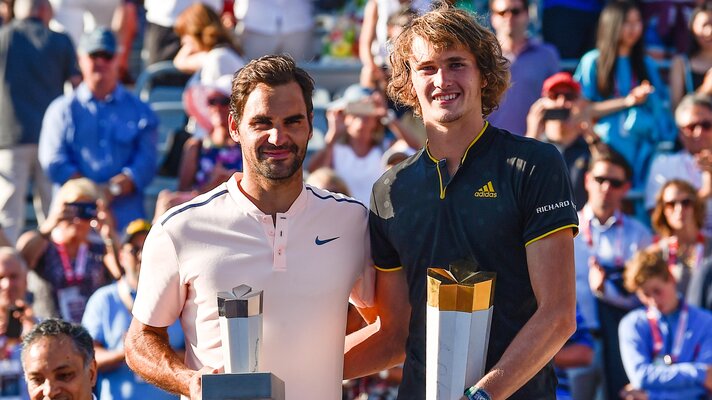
(447, 27)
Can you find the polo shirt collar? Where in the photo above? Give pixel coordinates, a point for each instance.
(613, 220)
(84, 95)
(474, 146)
(247, 206)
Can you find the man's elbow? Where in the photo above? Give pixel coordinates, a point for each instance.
(567, 324)
(130, 346)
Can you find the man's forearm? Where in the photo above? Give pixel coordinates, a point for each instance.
(534, 346)
(149, 354)
(373, 352)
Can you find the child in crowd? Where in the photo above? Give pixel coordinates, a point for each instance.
(667, 346)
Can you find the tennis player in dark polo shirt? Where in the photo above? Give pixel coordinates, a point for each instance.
(474, 192)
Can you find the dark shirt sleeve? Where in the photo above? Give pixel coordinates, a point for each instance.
(546, 196)
(385, 256)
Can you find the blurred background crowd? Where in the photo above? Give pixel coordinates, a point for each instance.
(114, 111)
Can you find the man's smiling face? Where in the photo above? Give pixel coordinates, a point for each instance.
(446, 81)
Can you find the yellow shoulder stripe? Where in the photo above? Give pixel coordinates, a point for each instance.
(388, 270)
(574, 226)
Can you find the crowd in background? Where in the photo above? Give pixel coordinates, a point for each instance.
(623, 89)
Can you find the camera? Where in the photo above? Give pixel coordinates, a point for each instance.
(14, 325)
(84, 210)
(557, 113)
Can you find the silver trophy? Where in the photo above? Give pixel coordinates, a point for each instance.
(240, 316)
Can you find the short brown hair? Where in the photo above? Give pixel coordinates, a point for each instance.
(657, 218)
(643, 266)
(272, 70)
(606, 154)
(447, 27)
(203, 24)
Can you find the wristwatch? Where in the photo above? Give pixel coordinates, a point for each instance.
(475, 393)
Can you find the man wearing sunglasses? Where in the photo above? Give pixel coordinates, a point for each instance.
(102, 132)
(561, 117)
(694, 162)
(531, 63)
(607, 239)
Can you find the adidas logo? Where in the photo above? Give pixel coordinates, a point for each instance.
(486, 191)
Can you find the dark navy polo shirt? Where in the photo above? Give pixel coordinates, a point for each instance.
(508, 192)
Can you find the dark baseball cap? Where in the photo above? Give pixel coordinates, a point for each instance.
(99, 40)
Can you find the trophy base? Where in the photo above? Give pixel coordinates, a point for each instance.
(247, 386)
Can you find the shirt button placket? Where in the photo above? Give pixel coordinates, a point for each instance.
(280, 244)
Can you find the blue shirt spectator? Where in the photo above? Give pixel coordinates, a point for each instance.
(98, 139)
(102, 132)
(107, 319)
(682, 379)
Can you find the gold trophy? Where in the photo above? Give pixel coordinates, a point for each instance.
(459, 315)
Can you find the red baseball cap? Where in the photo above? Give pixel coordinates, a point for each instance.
(560, 78)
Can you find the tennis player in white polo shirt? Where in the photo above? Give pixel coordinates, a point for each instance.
(305, 247)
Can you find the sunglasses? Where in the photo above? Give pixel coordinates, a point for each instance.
(106, 56)
(219, 101)
(514, 11)
(705, 125)
(615, 183)
(684, 203)
(568, 96)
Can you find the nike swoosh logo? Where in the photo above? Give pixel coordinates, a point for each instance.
(325, 241)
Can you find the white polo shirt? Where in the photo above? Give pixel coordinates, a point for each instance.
(306, 266)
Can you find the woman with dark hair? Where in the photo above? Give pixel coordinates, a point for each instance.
(678, 218)
(693, 72)
(625, 88)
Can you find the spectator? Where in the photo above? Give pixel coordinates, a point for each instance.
(325, 178)
(83, 16)
(693, 162)
(570, 25)
(211, 161)
(560, 117)
(608, 238)
(107, 319)
(161, 43)
(102, 132)
(35, 62)
(267, 223)
(677, 218)
(6, 12)
(666, 346)
(58, 359)
(531, 63)
(276, 27)
(66, 267)
(666, 25)
(207, 47)
(15, 319)
(625, 88)
(375, 32)
(354, 139)
(693, 72)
